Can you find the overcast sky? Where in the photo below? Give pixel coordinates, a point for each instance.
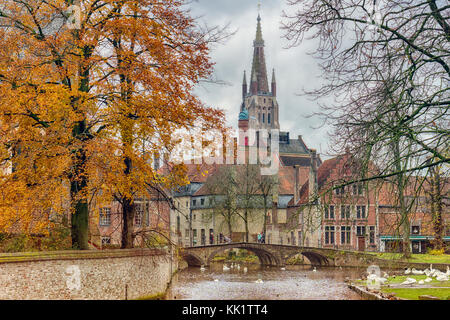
(294, 68)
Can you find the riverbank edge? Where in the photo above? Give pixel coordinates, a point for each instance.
(369, 295)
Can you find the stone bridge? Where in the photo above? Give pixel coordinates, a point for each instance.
(277, 255)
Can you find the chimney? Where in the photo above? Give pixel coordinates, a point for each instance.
(313, 187)
(296, 183)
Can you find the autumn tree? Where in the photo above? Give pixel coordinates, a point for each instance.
(94, 100)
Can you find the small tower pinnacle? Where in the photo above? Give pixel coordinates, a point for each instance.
(274, 84)
(244, 86)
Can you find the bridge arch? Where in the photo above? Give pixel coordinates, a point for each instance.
(192, 259)
(315, 258)
(266, 257)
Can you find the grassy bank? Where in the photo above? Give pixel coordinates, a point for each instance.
(414, 293)
(439, 289)
(417, 258)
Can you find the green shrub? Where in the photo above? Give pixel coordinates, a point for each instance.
(436, 252)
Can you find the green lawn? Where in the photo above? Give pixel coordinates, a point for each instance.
(434, 282)
(413, 293)
(423, 258)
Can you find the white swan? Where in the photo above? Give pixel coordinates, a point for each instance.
(421, 282)
(202, 268)
(283, 268)
(442, 277)
(409, 281)
(216, 280)
(238, 267)
(245, 269)
(225, 268)
(448, 271)
(428, 279)
(259, 281)
(417, 272)
(314, 270)
(408, 271)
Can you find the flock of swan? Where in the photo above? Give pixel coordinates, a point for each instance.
(429, 272)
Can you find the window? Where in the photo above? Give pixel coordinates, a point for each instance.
(329, 212)
(360, 231)
(268, 118)
(415, 230)
(106, 240)
(372, 235)
(329, 235)
(187, 204)
(194, 217)
(178, 224)
(186, 233)
(202, 201)
(345, 212)
(345, 234)
(339, 191)
(138, 214)
(360, 212)
(263, 117)
(105, 216)
(194, 202)
(194, 233)
(358, 189)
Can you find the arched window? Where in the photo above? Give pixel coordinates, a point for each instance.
(268, 118)
(263, 117)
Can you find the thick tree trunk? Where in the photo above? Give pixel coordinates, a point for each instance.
(80, 226)
(78, 184)
(127, 223)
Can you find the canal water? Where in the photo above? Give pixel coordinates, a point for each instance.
(263, 283)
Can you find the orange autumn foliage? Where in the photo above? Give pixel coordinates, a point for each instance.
(127, 75)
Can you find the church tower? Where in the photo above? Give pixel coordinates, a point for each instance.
(259, 101)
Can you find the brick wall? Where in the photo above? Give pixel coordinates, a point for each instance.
(103, 274)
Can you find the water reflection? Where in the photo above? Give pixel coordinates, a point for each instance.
(263, 283)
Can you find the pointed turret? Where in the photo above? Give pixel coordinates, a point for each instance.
(244, 86)
(274, 84)
(259, 61)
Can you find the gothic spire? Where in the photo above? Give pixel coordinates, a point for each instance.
(259, 63)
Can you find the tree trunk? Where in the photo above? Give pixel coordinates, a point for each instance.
(404, 214)
(265, 221)
(78, 183)
(436, 210)
(127, 223)
(80, 226)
